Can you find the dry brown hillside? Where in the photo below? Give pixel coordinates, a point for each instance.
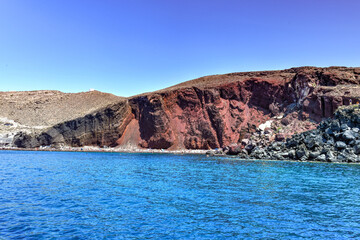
(47, 108)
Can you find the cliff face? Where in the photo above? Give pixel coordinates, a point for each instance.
(216, 111)
(34, 112)
(202, 118)
(101, 128)
(213, 111)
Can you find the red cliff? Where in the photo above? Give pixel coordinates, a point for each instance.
(216, 111)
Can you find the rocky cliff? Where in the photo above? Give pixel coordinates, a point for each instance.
(100, 128)
(211, 112)
(35, 112)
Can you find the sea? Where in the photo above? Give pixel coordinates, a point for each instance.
(79, 195)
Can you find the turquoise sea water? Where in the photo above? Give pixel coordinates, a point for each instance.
(48, 195)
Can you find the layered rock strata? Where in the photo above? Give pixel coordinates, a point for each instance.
(34, 113)
(101, 128)
(213, 111)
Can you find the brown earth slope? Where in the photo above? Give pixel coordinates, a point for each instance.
(47, 108)
(33, 112)
(212, 111)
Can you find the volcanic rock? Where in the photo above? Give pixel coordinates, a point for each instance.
(279, 137)
(322, 144)
(206, 113)
(340, 145)
(348, 135)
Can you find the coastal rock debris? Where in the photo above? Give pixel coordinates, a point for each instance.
(334, 140)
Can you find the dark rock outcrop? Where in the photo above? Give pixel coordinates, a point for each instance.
(102, 128)
(335, 140)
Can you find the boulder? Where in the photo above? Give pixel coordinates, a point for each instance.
(302, 153)
(285, 121)
(277, 156)
(330, 157)
(250, 147)
(346, 157)
(321, 158)
(340, 145)
(337, 136)
(330, 142)
(274, 109)
(292, 154)
(279, 137)
(313, 155)
(243, 154)
(235, 149)
(329, 131)
(352, 143)
(348, 135)
(284, 155)
(245, 142)
(291, 143)
(210, 153)
(335, 126)
(310, 142)
(344, 127)
(357, 149)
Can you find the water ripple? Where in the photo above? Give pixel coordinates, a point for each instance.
(141, 196)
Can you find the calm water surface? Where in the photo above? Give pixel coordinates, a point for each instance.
(139, 196)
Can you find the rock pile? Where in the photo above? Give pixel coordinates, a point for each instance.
(334, 140)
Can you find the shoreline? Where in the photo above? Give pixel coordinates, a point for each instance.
(107, 150)
(176, 152)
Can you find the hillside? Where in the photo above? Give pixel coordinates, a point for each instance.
(47, 108)
(208, 112)
(35, 111)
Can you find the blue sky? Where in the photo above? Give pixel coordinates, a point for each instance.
(135, 46)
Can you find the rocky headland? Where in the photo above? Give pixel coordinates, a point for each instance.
(235, 111)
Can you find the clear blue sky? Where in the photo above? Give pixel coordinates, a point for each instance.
(134, 46)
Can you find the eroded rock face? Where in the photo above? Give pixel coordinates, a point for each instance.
(154, 122)
(195, 118)
(215, 111)
(102, 128)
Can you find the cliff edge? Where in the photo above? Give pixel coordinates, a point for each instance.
(210, 112)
